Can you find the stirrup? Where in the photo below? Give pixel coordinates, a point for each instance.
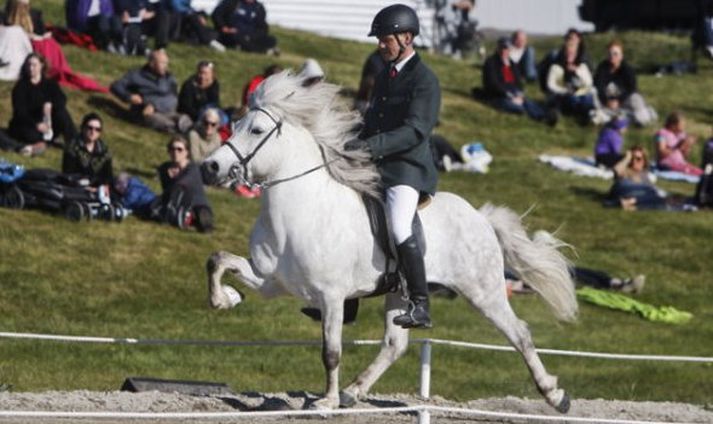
(408, 320)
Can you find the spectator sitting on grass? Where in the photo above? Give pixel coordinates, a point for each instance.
(503, 86)
(87, 154)
(204, 137)
(607, 151)
(523, 55)
(192, 24)
(135, 196)
(569, 80)
(39, 109)
(200, 92)
(673, 146)
(241, 24)
(616, 86)
(97, 19)
(183, 200)
(633, 186)
(151, 94)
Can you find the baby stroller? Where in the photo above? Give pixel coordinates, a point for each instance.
(56, 192)
(10, 195)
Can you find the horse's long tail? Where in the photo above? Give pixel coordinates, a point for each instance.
(536, 261)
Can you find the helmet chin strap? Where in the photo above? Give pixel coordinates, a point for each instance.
(402, 49)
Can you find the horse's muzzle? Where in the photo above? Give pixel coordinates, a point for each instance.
(209, 172)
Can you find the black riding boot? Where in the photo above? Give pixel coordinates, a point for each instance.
(415, 273)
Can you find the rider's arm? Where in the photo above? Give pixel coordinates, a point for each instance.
(421, 118)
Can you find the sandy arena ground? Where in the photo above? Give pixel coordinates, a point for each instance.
(174, 402)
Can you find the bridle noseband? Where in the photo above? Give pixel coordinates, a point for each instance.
(243, 160)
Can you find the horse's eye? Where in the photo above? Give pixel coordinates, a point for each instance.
(256, 131)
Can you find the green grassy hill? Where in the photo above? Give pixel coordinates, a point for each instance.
(140, 279)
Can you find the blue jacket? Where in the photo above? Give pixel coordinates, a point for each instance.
(138, 196)
(76, 12)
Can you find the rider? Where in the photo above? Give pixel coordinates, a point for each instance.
(402, 112)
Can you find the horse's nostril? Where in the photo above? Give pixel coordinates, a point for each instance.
(214, 166)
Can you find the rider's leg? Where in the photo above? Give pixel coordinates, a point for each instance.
(401, 204)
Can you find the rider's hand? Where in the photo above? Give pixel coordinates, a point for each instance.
(356, 144)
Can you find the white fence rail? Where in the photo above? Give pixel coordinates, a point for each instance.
(424, 415)
(426, 349)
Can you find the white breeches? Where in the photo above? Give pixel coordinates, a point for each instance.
(401, 204)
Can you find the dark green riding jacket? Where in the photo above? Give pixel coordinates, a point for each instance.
(398, 124)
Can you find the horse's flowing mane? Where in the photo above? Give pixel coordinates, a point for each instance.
(329, 119)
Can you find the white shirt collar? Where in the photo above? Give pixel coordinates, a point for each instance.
(400, 65)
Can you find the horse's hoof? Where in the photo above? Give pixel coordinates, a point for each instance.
(563, 406)
(324, 404)
(346, 400)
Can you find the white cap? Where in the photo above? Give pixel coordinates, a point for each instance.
(311, 69)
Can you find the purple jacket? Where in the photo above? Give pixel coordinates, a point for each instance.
(76, 12)
(609, 141)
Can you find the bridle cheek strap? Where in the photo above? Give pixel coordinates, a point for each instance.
(243, 160)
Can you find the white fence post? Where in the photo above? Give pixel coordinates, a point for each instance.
(426, 369)
(424, 416)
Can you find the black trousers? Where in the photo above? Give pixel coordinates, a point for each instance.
(62, 124)
(105, 29)
(8, 143)
(258, 43)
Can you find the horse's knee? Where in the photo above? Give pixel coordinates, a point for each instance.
(396, 346)
(330, 358)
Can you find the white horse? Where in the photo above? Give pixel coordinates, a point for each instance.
(312, 236)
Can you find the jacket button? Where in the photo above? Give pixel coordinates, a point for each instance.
(383, 98)
(381, 115)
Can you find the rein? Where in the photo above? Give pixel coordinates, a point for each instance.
(243, 160)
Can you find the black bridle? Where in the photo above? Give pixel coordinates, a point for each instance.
(243, 160)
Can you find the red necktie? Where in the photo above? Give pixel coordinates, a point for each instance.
(393, 72)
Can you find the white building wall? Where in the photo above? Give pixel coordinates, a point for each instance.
(534, 16)
(351, 19)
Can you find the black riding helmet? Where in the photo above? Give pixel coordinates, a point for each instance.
(394, 19)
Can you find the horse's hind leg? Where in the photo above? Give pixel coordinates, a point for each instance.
(222, 261)
(393, 346)
(496, 308)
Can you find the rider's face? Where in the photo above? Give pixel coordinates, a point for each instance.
(389, 46)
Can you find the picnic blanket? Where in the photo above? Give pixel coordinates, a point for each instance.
(607, 299)
(586, 166)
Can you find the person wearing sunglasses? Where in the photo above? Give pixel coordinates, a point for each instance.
(634, 187)
(183, 201)
(204, 137)
(87, 155)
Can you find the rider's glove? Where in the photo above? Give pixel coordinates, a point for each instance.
(356, 144)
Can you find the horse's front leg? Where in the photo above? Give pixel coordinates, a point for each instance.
(332, 316)
(222, 261)
(393, 346)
